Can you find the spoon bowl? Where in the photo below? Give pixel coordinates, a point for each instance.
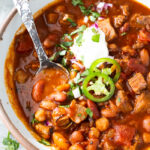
(27, 18)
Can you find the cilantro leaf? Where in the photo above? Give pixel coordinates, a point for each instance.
(80, 29)
(123, 34)
(98, 87)
(95, 38)
(33, 121)
(43, 141)
(79, 39)
(89, 112)
(77, 2)
(72, 22)
(64, 106)
(85, 11)
(85, 73)
(10, 143)
(67, 44)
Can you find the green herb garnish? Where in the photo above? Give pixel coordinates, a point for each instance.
(95, 38)
(123, 34)
(80, 29)
(84, 10)
(43, 141)
(77, 2)
(33, 121)
(72, 22)
(119, 99)
(79, 115)
(79, 39)
(94, 16)
(89, 112)
(64, 106)
(10, 143)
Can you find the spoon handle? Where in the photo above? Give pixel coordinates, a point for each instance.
(27, 18)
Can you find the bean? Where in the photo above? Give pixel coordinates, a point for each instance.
(48, 104)
(76, 137)
(146, 123)
(94, 109)
(146, 137)
(60, 141)
(43, 130)
(102, 124)
(58, 96)
(40, 115)
(144, 55)
(37, 90)
(51, 40)
(94, 133)
(76, 147)
(63, 87)
(92, 144)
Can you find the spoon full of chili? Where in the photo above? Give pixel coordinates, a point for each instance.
(27, 18)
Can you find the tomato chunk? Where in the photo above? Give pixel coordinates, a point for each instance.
(94, 109)
(124, 134)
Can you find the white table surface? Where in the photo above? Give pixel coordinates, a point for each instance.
(5, 7)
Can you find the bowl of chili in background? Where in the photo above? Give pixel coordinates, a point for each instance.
(11, 111)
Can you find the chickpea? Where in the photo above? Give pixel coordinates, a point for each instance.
(48, 104)
(94, 133)
(60, 141)
(144, 55)
(40, 115)
(58, 96)
(38, 89)
(146, 137)
(76, 147)
(146, 123)
(76, 137)
(92, 144)
(43, 130)
(102, 124)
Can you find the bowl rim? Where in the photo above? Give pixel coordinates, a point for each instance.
(3, 115)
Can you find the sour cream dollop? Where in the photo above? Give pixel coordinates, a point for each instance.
(93, 46)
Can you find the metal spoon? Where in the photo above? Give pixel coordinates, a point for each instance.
(27, 18)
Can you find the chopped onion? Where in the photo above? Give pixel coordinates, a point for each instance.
(74, 61)
(95, 25)
(47, 123)
(103, 6)
(76, 92)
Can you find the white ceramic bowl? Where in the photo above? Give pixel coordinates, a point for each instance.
(12, 122)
